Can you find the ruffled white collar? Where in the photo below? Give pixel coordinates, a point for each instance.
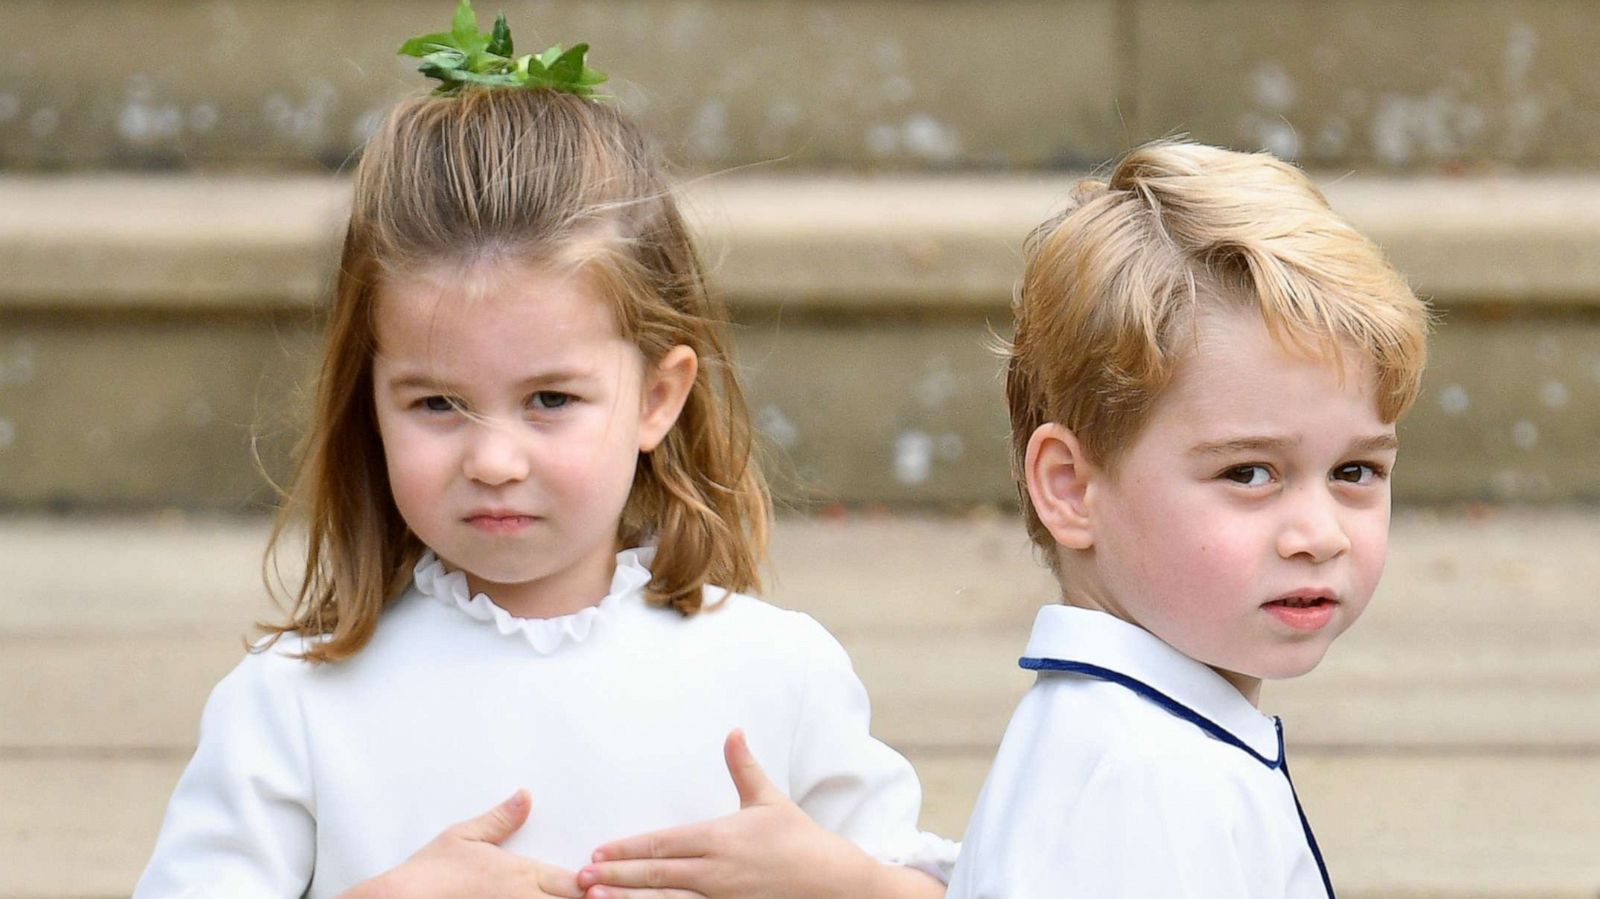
(545, 635)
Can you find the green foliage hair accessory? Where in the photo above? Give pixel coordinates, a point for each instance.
(464, 55)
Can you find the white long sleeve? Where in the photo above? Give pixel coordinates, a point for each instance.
(851, 783)
(241, 822)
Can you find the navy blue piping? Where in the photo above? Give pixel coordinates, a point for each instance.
(1160, 699)
(1206, 724)
(1305, 825)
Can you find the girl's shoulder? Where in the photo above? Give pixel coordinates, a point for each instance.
(274, 662)
(760, 625)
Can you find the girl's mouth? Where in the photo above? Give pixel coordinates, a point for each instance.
(496, 523)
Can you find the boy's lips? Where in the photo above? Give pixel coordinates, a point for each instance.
(1304, 610)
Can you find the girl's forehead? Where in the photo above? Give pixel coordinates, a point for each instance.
(489, 304)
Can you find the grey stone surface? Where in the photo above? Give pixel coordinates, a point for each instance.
(111, 410)
(888, 84)
(150, 328)
(1375, 85)
(299, 84)
(846, 243)
(108, 409)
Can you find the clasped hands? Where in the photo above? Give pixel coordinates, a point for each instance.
(769, 849)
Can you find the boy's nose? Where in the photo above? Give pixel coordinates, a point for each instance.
(1313, 528)
(495, 455)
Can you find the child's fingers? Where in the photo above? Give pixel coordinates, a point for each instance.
(627, 893)
(498, 823)
(555, 881)
(688, 841)
(681, 874)
(754, 787)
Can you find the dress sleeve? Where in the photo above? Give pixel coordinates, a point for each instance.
(241, 822)
(848, 781)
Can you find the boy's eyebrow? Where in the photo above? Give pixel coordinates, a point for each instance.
(1376, 442)
(1268, 444)
(1241, 445)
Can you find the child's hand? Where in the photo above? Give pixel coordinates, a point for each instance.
(768, 849)
(466, 861)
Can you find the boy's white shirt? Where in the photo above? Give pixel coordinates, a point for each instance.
(309, 779)
(1101, 791)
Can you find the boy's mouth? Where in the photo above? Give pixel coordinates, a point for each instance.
(1307, 610)
(1300, 602)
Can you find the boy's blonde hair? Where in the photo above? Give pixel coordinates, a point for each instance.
(531, 176)
(1113, 282)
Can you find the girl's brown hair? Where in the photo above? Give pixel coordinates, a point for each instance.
(534, 176)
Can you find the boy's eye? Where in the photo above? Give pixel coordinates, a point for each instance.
(1358, 473)
(549, 399)
(437, 403)
(1248, 475)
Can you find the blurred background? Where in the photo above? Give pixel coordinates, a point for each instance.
(862, 173)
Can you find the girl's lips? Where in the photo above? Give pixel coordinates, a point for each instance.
(500, 523)
(1303, 615)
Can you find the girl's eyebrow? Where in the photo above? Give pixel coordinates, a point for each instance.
(418, 381)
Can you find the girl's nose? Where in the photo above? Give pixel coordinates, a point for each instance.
(1313, 528)
(495, 455)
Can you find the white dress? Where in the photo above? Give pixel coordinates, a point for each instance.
(309, 779)
(1132, 771)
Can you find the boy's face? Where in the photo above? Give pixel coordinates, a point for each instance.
(1247, 524)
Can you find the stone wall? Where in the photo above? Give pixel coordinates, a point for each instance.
(1370, 85)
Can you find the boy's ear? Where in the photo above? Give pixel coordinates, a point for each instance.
(666, 388)
(1058, 478)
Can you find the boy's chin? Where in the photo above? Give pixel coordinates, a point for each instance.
(1291, 665)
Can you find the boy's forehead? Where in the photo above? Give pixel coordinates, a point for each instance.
(1240, 377)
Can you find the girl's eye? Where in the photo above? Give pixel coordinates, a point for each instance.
(550, 399)
(437, 403)
(1249, 475)
(1358, 473)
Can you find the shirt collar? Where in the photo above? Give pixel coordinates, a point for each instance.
(1083, 637)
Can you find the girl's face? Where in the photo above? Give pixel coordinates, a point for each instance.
(512, 415)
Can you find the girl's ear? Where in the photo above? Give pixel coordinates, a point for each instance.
(666, 388)
(1058, 479)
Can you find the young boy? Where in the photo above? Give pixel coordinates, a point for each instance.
(1207, 369)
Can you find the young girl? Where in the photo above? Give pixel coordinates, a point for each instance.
(530, 504)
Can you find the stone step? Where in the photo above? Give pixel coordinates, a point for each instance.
(1481, 634)
(889, 84)
(175, 316)
(950, 243)
(1448, 747)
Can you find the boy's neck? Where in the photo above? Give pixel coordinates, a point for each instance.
(1249, 687)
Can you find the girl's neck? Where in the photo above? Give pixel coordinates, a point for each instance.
(565, 592)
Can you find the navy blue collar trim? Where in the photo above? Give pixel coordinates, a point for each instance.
(1206, 724)
(1160, 699)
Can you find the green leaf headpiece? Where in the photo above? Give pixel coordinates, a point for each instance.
(464, 55)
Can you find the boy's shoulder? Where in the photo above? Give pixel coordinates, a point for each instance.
(1084, 756)
(1121, 733)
